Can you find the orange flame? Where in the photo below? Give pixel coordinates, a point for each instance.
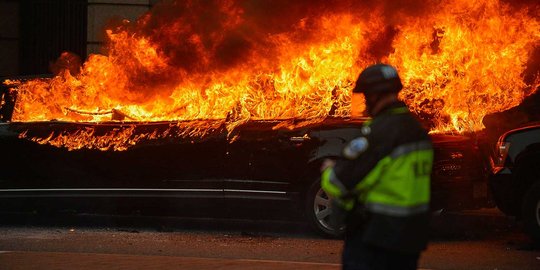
(459, 61)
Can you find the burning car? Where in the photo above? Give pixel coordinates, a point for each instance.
(222, 101)
(172, 165)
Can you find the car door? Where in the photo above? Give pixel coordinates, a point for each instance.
(265, 162)
(166, 168)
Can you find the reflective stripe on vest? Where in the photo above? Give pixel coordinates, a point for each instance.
(331, 184)
(335, 189)
(397, 211)
(410, 147)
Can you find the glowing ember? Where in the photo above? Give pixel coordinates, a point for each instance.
(230, 60)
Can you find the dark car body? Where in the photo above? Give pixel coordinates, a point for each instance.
(261, 162)
(199, 164)
(511, 165)
(515, 176)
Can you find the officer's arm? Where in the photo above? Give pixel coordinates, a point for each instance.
(360, 157)
(349, 172)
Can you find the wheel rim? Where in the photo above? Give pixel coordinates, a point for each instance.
(322, 209)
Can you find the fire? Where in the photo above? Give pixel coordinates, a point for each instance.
(122, 137)
(187, 60)
(472, 66)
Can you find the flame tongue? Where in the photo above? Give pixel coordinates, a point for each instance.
(459, 60)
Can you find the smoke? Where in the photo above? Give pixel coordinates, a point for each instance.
(199, 37)
(532, 70)
(531, 4)
(67, 62)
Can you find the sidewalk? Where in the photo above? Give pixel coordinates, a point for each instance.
(18, 260)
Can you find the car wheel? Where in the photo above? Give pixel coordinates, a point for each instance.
(319, 212)
(531, 211)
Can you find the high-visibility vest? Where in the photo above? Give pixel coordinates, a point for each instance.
(396, 187)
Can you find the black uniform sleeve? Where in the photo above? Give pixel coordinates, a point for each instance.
(351, 171)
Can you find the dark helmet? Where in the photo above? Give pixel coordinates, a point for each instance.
(378, 78)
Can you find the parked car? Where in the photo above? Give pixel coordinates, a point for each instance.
(261, 164)
(515, 177)
(261, 167)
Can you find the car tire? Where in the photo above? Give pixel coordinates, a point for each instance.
(319, 211)
(531, 211)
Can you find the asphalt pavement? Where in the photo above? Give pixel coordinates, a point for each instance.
(58, 260)
(469, 240)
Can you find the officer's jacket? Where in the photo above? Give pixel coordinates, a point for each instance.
(387, 171)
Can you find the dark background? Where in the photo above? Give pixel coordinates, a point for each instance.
(47, 28)
(33, 33)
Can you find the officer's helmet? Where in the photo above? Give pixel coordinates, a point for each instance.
(379, 78)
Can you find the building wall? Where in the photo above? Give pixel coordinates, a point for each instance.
(33, 33)
(48, 28)
(101, 12)
(9, 38)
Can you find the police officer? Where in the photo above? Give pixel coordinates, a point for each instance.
(383, 181)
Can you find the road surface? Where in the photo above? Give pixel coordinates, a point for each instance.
(483, 240)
